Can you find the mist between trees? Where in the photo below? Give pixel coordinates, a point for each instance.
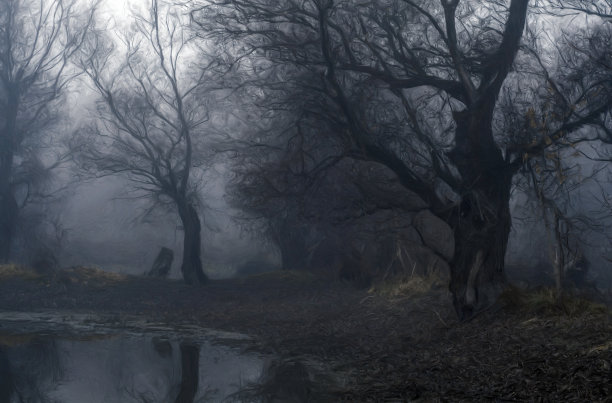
(362, 139)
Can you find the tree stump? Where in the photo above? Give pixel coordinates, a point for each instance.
(163, 263)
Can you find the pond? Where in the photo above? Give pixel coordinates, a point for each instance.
(54, 358)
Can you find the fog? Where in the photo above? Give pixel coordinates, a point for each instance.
(305, 201)
(100, 216)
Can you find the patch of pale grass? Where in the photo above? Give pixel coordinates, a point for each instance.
(94, 275)
(14, 340)
(547, 301)
(601, 348)
(8, 271)
(406, 286)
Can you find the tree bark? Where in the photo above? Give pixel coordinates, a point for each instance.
(9, 208)
(8, 223)
(289, 238)
(162, 264)
(192, 262)
(481, 239)
(559, 255)
(482, 221)
(293, 255)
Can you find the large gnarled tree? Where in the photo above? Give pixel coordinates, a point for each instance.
(451, 56)
(417, 86)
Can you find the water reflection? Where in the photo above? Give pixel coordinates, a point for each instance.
(190, 365)
(122, 369)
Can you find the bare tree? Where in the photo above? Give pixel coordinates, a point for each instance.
(38, 40)
(152, 116)
(279, 168)
(416, 87)
(294, 185)
(577, 107)
(569, 211)
(416, 57)
(598, 8)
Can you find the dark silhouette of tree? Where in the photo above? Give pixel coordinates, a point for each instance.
(558, 196)
(280, 168)
(152, 117)
(598, 8)
(38, 40)
(396, 48)
(576, 108)
(579, 80)
(293, 180)
(415, 86)
(6, 380)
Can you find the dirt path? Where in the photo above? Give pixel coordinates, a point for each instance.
(384, 349)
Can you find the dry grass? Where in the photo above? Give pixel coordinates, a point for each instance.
(75, 275)
(406, 286)
(8, 271)
(91, 275)
(547, 301)
(14, 340)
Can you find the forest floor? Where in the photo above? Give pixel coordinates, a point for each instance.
(368, 346)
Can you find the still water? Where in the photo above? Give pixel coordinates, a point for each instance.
(144, 368)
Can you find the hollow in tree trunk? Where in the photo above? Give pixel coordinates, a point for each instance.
(192, 262)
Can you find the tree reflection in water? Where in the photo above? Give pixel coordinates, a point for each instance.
(122, 369)
(190, 366)
(29, 371)
(6, 380)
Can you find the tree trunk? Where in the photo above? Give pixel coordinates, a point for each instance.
(293, 256)
(291, 243)
(481, 239)
(559, 255)
(162, 264)
(9, 208)
(192, 263)
(8, 222)
(482, 221)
